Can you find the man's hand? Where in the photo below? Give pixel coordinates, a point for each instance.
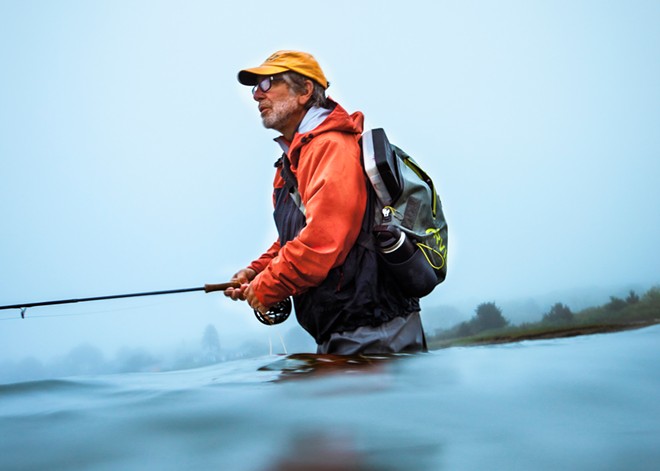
(245, 292)
(243, 277)
(252, 300)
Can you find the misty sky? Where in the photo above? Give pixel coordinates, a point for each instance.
(132, 160)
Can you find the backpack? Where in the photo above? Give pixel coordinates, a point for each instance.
(409, 224)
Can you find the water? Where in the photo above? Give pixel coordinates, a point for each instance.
(571, 404)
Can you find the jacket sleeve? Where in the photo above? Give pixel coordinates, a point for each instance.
(332, 186)
(262, 262)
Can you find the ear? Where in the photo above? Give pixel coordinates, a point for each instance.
(309, 89)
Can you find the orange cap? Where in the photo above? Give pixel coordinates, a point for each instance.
(281, 61)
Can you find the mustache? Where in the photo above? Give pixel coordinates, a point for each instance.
(265, 104)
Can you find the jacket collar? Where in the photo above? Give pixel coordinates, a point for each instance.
(312, 119)
(320, 120)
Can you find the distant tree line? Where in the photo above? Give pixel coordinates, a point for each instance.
(86, 359)
(562, 314)
(489, 319)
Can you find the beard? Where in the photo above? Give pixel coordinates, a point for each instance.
(279, 114)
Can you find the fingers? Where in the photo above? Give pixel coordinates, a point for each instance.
(235, 294)
(243, 277)
(245, 291)
(253, 301)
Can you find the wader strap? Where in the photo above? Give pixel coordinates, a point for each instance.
(291, 183)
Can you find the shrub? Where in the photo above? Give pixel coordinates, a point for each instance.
(558, 314)
(615, 304)
(632, 298)
(488, 316)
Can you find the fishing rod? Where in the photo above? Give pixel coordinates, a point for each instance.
(275, 315)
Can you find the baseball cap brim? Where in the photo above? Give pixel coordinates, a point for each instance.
(251, 76)
(300, 62)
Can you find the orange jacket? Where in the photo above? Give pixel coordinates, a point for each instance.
(332, 186)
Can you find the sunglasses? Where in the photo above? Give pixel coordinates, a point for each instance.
(265, 83)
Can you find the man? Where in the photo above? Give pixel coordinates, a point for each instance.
(324, 256)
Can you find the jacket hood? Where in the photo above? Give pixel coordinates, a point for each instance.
(337, 121)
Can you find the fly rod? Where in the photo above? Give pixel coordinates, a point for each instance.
(276, 314)
(206, 288)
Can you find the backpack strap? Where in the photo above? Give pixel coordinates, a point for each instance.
(366, 237)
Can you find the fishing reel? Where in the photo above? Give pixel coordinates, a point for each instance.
(277, 314)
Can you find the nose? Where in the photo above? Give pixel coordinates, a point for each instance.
(258, 95)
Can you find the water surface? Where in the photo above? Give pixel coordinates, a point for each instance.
(571, 404)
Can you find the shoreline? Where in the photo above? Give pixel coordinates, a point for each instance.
(540, 334)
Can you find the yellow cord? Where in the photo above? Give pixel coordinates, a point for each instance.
(424, 248)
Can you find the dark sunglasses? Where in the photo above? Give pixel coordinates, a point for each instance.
(265, 83)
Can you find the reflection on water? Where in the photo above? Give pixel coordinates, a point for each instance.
(576, 404)
(306, 365)
(320, 451)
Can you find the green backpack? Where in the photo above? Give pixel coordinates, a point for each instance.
(409, 225)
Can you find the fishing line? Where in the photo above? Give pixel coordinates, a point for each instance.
(283, 346)
(270, 344)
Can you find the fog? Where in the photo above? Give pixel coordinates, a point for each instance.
(132, 160)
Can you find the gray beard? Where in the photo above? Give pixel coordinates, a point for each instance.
(279, 114)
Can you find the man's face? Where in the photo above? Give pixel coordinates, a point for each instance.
(280, 108)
